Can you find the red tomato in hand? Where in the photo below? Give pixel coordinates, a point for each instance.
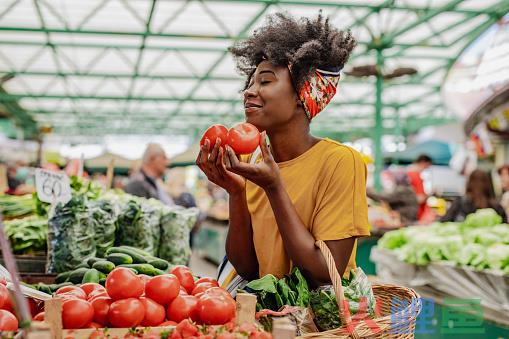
(101, 307)
(77, 313)
(162, 288)
(8, 321)
(39, 317)
(92, 287)
(185, 277)
(183, 307)
(154, 313)
(126, 313)
(214, 132)
(4, 295)
(243, 138)
(202, 287)
(71, 291)
(207, 279)
(122, 283)
(216, 307)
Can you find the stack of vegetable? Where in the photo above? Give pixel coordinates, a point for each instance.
(12, 206)
(481, 242)
(129, 300)
(27, 235)
(95, 270)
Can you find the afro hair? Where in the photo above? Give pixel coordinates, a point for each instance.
(304, 44)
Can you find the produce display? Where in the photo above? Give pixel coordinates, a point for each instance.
(27, 235)
(129, 300)
(12, 206)
(243, 138)
(481, 242)
(95, 269)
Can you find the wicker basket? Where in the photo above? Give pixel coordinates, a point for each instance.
(399, 325)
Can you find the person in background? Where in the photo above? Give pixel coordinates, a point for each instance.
(479, 194)
(503, 173)
(414, 176)
(146, 182)
(402, 200)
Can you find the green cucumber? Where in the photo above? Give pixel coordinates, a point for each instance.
(137, 250)
(62, 277)
(76, 276)
(120, 258)
(92, 276)
(43, 288)
(142, 268)
(104, 266)
(102, 281)
(159, 263)
(92, 261)
(158, 271)
(83, 265)
(137, 258)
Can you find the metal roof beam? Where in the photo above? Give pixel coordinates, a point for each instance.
(352, 4)
(167, 35)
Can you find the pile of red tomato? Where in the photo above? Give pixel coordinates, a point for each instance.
(131, 300)
(243, 138)
(8, 322)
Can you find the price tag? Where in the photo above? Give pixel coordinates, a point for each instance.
(52, 187)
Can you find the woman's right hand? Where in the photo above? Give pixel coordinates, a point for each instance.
(211, 162)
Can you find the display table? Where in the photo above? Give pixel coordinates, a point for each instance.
(210, 239)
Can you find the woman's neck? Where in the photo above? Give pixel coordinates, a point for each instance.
(290, 143)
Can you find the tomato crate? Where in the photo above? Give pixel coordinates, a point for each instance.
(246, 306)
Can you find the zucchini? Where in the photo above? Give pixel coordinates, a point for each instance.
(92, 261)
(142, 268)
(137, 258)
(159, 263)
(120, 258)
(76, 276)
(44, 288)
(104, 266)
(62, 277)
(92, 276)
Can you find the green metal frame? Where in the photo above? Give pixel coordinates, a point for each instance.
(382, 45)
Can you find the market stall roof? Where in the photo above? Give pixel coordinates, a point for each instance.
(103, 161)
(104, 67)
(438, 151)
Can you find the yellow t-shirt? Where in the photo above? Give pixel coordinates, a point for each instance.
(327, 185)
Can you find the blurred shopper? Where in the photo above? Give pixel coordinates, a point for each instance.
(420, 164)
(503, 172)
(146, 182)
(479, 194)
(402, 200)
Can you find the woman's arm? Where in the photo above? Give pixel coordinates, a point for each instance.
(239, 241)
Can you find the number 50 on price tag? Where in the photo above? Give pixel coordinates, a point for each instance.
(52, 187)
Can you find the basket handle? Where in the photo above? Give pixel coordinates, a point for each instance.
(336, 282)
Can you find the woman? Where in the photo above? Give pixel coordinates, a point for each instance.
(303, 188)
(479, 194)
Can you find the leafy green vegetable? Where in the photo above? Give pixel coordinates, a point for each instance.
(480, 242)
(27, 235)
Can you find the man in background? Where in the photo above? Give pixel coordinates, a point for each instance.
(146, 182)
(414, 176)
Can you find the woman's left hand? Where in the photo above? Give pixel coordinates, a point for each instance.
(264, 173)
